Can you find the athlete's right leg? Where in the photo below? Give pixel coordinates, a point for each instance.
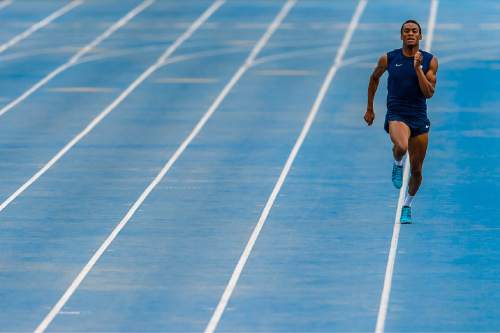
(400, 134)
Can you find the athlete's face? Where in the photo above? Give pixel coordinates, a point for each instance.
(410, 34)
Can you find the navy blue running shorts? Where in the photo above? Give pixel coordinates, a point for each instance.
(417, 126)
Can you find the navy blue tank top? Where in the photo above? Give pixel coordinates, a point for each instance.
(404, 96)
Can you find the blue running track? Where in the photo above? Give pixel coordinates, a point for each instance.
(319, 262)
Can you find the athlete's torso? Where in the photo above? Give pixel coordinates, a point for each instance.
(403, 91)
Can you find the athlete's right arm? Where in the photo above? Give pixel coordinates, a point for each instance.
(372, 87)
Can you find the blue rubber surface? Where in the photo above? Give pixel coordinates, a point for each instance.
(320, 260)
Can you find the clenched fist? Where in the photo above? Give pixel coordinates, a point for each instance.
(369, 116)
(417, 62)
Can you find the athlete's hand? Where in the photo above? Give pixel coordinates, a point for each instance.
(369, 116)
(417, 62)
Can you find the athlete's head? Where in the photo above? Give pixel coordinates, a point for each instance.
(411, 33)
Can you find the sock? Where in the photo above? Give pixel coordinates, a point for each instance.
(398, 163)
(408, 200)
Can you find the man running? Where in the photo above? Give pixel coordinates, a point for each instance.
(412, 79)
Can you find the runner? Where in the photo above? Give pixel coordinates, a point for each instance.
(412, 79)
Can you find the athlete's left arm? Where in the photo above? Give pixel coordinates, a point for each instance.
(426, 81)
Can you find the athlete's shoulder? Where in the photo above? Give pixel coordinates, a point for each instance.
(392, 55)
(427, 55)
(394, 52)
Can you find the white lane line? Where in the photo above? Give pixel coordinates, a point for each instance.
(39, 25)
(84, 90)
(39, 51)
(73, 60)
(307, 50)
(212, 325)
(432, 24)
(4, 4)
(285, 72)
(199, 126)
(386, 291)
(294, 54)
(186, 80)
(186, 57)
(78, 280)
(74, 313)
(115, 103)
(488, 26)
(240, 42)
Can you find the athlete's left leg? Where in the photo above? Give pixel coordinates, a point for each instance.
(417, 148)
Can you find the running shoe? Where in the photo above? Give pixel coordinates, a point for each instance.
(397, 175)
(405, 215)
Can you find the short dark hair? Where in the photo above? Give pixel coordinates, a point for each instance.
(412, 21)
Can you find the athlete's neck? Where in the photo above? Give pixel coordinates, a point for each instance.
(410, 50)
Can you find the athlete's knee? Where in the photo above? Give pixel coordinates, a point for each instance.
(400, 147)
